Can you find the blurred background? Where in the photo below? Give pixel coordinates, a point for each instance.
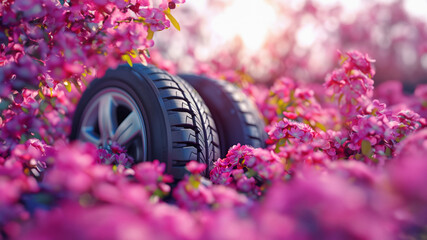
(299, 38)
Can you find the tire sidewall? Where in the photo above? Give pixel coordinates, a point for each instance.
(146, 97)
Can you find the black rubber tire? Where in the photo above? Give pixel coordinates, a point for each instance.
(179, 125)
(236, 116)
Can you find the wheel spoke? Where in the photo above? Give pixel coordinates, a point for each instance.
(87, 136)
(113, 116)
(128, 129)
(106, 117)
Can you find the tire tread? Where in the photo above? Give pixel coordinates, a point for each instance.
(194, 135)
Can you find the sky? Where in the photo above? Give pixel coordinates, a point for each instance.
(260, 18)
(225, 22)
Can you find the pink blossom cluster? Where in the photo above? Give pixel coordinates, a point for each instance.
(26, 116)
(51, 42)
(344, 123)
(14, 181)
(81, 174)
(370, 132)
(345, 199)
(37, 176)
(114, 154)
(289, 129)
(195, 192)
(248, 170)
(52, 47)
(295, 101)
(373, 129)
(338, 165)
(299, 144)
(352, 85)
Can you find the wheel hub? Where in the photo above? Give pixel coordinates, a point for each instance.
(113, 116)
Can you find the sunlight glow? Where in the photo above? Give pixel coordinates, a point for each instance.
(249, 20)
(416, 8)
(307, 35)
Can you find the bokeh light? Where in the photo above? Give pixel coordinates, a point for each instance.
(269, 38)
(327, 147)
(252, 21)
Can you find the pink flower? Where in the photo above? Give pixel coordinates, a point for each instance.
(244, 184)
(195, 168)
(151, 175)
(359, 61)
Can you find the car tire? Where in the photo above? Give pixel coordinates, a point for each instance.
(151, 113)
(236, 116)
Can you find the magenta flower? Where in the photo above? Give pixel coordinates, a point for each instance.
(195, 168)
(359, 61)
(151, 175)
(338, 165)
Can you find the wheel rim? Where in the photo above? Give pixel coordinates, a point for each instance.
(112, 115)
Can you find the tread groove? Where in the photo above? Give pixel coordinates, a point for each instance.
(246, 126)
(180, 98)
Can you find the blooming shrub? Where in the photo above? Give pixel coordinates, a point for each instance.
(302, 35)
(248, 170)
(339, 163)
(55, 46)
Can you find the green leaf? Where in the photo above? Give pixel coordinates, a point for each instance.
(4, 104)
(67, 85)
(354, 102)
(388, 152)
(133, 53)
(62, 2)
(321, 126)
(194, 182)
(288, 164)
(142, 58)
(23, 139)
(41, 94)
(279, 144)
(277, 149)
(150, 34)
(340, 98)
(158, 193)
(306, 121)
(37, 135)
(86, 200)
(146, 53)
(173, 21)
(126, 58)
(343, 59)
(53, 102)
(366, 148)
(43, 106)
(250, 173)
(292, 95)
(83, 81)
(76, 84)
